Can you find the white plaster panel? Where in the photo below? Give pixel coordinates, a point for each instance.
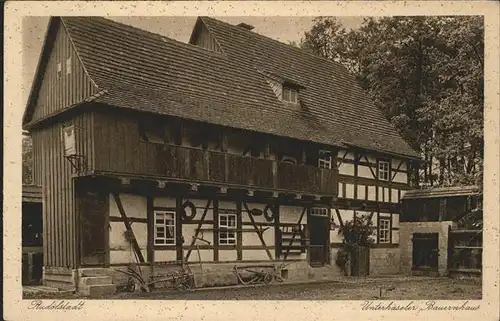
(133, 205)
(395, 236)
(189, 230)
(124, 257)
(396, 162)
(350, 155)
(346, 169)
(117, 238)
(395, 220)
(165, 255)
(400, 178)
(257, 255)
(364, 171)
(164, 202)
(372, 159)
(341, 191)
(394, 195)
(403, 192)
(346, 215)
(386, 194)
(349, 190)
(228, 255)
(291, 214)
(251, 238)
(380, 193)
(335, 237)
(372, 193)
(206, 256)
(227, 205)
(361, 192)
(258, 219)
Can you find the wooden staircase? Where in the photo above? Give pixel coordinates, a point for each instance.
(293, 240)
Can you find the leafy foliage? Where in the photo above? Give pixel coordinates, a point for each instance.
(358, 231)
(27, 159)
(426, 75)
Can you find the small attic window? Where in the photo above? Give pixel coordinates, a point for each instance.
(59, 70)
(68, 65)
(290, 95)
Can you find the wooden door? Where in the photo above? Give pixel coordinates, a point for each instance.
(93, 229)
(360, 261)
(425, 252)
(319, 230)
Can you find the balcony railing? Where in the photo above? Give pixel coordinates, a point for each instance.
(194, 164)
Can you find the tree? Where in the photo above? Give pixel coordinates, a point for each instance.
(426, 75)
(27, 160)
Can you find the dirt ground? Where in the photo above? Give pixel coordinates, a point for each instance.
(405, 289)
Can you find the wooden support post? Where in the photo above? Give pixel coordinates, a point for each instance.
(295, 233)
(198, 229)
(258, 231)
(239, 234)
(178, 227)
(356, 165)
(135, 245)
(151, 226)
(277, 232)
(216, 230)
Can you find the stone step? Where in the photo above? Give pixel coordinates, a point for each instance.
(97, 290)
(61, 285)
(93, 280)
(94, 272)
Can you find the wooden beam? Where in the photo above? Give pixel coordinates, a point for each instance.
(202, 220)
(216, 227)
(259, 232)
(277, 232)
(339, 218)
(150, 222)
(295, 233)
(239, 234)
(135, 245)
(178, 227)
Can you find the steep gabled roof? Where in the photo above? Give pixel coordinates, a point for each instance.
(332, 94)
(140, 70)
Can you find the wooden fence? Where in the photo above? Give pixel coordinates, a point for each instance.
(465, 251)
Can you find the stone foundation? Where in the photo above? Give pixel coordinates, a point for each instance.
(406, 230)
(214, 274)
(385, 261)
(60, 278)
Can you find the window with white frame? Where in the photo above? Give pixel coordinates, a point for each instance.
(319, 211)
(68, 65)
(164, 227)
(227, 228)
(290, 95)
(384, 230)
(325, 159)
(383, 170)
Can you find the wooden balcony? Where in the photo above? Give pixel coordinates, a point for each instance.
(204, 166)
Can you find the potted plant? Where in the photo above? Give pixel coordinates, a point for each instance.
(356, 234)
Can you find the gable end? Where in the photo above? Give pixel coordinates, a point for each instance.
(61, 80)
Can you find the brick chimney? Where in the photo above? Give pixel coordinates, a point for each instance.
(245, 26)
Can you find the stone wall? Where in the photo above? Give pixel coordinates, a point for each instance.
(406, 230)
(385, 261)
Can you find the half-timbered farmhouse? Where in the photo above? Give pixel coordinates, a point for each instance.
(244, 148)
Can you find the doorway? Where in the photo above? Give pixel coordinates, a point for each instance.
(319, 232)
(425, 253)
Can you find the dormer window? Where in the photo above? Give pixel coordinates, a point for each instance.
(290, 95)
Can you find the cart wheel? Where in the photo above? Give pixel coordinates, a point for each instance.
(130, 285)
(268, 278)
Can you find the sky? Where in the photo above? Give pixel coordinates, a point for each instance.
(284, 29)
